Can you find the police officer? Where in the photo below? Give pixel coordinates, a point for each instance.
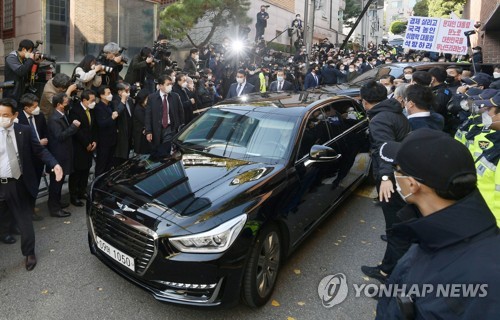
(455, 234)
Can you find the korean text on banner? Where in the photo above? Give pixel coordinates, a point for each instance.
(421, 33)
(451, 38)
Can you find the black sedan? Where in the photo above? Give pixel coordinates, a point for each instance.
(213, 223)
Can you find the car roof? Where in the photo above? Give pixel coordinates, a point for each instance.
(291, 103)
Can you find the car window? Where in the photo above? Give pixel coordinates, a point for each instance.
(241, 134)
(315, 132)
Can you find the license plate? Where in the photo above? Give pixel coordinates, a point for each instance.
(116, 254)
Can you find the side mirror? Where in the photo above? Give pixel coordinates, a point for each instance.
(321, 153)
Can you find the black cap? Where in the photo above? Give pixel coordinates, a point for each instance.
(430, 156)
(477, 48)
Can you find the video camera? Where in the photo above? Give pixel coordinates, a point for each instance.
(161, 50)
(76, 80)
(42, 56)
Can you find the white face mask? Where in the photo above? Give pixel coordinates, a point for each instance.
(351, 69)
(486, 119)
(389, 89)
(279, 79)
(240, 80)
(109, 97)
(91, 105)
(36, 111)
(496, 75)
(168, 89)
(398, 189)
(209, 77)
(184, 84)
(5, 122)
(251, 72)
(408, 77)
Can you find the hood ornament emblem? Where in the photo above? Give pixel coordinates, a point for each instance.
(124, 207)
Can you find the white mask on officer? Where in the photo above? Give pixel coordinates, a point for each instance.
(36, 111)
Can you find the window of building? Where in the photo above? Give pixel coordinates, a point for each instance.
(397, 4)
(8, 14)
(57, 24)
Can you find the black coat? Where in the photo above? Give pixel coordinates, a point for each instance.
(141, 144)
(187, 106)
(106, 126)
(18, 72)
(154, 112)
(41, 127)
(287, 86)
(124, 126)
(86, 134)
(28, 147)
(61, 141)
(457, 245)
(387, 123)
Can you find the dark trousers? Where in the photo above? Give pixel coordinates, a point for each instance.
(15, 203)
(396, 246)
(259, 31)
(55, 187)
(77, 183)
(104, 159)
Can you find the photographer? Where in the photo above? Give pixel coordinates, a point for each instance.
(59, 83)
(18, 66)
(141, 70)
(161, 52)
(87, 73)
(191, 63)
(111, 57)
(180, 87)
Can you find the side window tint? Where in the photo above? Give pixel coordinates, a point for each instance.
(316, 132)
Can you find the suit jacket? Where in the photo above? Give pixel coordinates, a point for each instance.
(287, 86)
(310, 82)
(248, 88)
(154, 115)
(60, 140)
(41, 127)
(106, 126)
(29, 146)
(141, 144)
(86, 134)
(124, 127)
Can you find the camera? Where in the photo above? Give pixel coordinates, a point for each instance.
(76, 80)
(468, 33)
(266, 6)
(107, 69)
(44, 56)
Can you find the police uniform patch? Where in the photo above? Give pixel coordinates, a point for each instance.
(483, 145)
(480, 170)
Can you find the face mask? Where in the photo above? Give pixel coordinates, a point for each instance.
(486, 119)
(91, 105)
(496, 75)
(36, 111)
(240, 80)
(351, 69)
(184, 85)
(408, 77)
(398, 189)
(279, 78)
(5, 122)
(168, 89)
(450, 79)
(209, 77)
(251, 72)
(389, 89)
(109, 97)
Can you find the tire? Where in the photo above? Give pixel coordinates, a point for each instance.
(262, 268)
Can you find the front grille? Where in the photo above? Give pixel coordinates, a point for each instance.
(130, 240)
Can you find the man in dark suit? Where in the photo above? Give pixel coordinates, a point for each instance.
(164, 116)
(312, 79)
(18, 177)
(84, 145)
(280, 84)
(61, 146)
(31, 116)
(123, 104)
(241, 87)
(106, 131)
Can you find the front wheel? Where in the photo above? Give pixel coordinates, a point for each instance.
(262, 268)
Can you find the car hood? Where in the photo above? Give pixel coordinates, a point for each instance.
(182, 187)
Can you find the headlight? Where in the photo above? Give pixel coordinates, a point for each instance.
(212, 241)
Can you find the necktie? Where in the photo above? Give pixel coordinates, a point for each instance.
(32, 124)
(164, 119)
(316, 79)
(66, 119)
(87, 111)
(280, 86)
(15, 169)
(238, 91)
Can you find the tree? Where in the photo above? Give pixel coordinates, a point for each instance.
(398, 27)
(421, 8)
(178, 19)
(351, 12)
(443, 8)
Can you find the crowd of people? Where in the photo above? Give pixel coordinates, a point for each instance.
(95, 116)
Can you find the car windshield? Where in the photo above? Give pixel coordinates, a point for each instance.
(376, 74)
(247, 135)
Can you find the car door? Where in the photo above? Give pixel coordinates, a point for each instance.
(310, 183)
